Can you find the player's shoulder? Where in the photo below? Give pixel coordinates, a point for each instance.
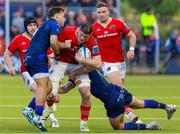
(70, 28)
(117, 20)
(96, 24)
(91, 39)
(17, 38)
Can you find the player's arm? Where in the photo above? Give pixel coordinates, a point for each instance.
(55, 44)
(7, 57)
(1, 66)
(132, 45)
(94, 62)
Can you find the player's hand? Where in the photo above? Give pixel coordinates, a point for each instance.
(62, 90)
(79, 58)
(68, 43)
(130, 55)
(12, 71)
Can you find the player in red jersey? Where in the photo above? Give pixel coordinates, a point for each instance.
(20, 44)
(79, 36)
(108, 32)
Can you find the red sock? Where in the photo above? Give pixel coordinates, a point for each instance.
(85, 112)
(127, 109)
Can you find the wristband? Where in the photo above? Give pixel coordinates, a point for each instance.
(131, 48)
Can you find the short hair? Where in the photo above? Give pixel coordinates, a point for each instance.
(102, 4)
(86, 28)
(52, 11)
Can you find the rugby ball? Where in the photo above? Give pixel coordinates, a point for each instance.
(86, 53)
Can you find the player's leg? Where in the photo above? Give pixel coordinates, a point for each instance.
(118, 123)
(28, 111)
(83, 84)
(57, 71)
(115, 73)
(40, 95)
(137, 103)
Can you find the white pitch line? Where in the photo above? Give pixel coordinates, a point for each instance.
(120, 132)
(78, 97)
(59, 106)
(74, 118)
(11, 87)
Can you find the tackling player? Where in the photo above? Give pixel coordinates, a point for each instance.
(36, 61)
(108, 32)
(115, 98)
(79, 36)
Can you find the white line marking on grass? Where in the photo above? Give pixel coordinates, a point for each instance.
(120, 132)
(74, 118)
(61, 106)
(78, 97)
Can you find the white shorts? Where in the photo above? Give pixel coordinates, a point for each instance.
(57, 71)
(120, 67)
(28, 80)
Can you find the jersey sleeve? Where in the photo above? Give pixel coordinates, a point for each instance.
(93, 46)
(54, 29)
(49, 51)
(124, 27)
(13, 46)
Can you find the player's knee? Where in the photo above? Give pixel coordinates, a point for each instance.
(50, 99)
(81, 84)
(118, 126)
(57, 98)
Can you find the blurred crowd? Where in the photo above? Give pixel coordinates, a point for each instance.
(80, 11)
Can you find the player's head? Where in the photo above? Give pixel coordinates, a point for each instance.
(30, 25)
(57, 13)
(84, 32)
(102, 11)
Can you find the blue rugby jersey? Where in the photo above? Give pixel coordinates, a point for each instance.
(40, 42)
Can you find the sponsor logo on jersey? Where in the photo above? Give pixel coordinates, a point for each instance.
(108, 69)
(112, 27)
(23, 43)
(98, 30)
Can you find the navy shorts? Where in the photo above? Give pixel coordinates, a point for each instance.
(36, 64)
(117, 107)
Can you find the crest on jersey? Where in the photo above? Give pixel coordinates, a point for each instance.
(95, 49)
(112, 27)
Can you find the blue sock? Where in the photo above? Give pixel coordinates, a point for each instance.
(39, 110)
(32, 103)
(153, 104)
(134, 126)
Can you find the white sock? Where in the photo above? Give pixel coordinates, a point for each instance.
(52, 118)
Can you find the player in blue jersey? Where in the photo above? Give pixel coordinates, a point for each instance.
(36, 61)
(115, 98)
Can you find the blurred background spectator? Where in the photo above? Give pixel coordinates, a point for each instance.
(148, 24)
(80, 11)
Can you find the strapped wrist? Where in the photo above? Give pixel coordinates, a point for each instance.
(131, 48)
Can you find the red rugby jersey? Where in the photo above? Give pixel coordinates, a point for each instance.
(109, 40)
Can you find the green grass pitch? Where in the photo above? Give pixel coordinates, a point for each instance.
(14, 96)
